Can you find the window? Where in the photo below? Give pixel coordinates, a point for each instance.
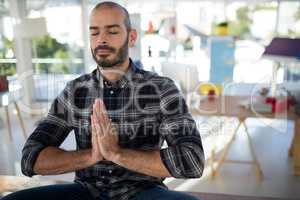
(61, 51)
(7, 57)
(289, 19)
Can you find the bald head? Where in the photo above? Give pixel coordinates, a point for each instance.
(113, 5)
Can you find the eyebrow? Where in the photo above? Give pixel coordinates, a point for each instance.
(107, 26)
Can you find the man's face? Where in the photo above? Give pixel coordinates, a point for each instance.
(108, 37)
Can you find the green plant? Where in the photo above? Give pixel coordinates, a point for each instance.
(241, 26)
(292, 32)
(6, 69)
(223, 24)
(297, 14)
(48, 47)
(265, 6)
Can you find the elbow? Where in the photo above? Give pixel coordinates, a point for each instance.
(187, 173)
(196, 160)
(185, 160)
(196, 173)
(29, 157)
(190, 164)
(26, 167)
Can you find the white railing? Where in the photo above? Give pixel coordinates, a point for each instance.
(45, 60)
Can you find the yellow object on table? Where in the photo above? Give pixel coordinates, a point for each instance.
(204, 88)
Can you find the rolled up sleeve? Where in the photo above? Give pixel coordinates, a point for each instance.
(184, 156)
(50, 131)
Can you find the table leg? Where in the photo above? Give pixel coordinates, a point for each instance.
(226, 149)
(292, 145)
(212, 162)
(296, 147)
(8, 123)
(20, 119)
(256, 163)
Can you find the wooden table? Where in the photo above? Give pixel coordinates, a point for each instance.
(229, 106)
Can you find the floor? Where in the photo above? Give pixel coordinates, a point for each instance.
(271, 146)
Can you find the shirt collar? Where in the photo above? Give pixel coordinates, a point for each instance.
(124, 81)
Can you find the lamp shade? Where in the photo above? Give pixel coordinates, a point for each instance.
(283, 47)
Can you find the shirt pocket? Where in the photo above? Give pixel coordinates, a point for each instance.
(151, 109)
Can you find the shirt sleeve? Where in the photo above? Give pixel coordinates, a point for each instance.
(184, 156)
(50, 131)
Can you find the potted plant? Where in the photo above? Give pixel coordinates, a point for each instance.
(6, 69)
(3, 79)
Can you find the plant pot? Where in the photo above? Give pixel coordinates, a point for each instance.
(3, 83)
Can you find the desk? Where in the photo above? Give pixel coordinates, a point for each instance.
(229, 106)
(11, 97)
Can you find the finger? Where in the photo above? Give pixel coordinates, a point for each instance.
(108, 128)
(99, 117)
(103, 127)
(99, 136)
(94, 139)
(96, 108)
(94, 135)
(98, 130)
(103, 113)
(94, 129)
(92, 126)
(103, 119)
(95, 115)
(115, 132)
(112, 128)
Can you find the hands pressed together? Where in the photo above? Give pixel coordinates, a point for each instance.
(104, 135)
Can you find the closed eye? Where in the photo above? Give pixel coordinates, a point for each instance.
(113, 32)
(93, 34)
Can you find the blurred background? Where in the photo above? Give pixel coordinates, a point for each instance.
(45, 43)
(173, 30)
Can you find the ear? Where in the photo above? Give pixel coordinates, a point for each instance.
(132, 37)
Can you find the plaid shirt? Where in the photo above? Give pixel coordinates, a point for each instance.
(147, 109)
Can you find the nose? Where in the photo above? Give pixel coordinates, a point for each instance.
(102, 38)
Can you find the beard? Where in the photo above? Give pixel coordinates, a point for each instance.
(104, 62)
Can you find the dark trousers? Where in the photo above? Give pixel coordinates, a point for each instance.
(75, 191)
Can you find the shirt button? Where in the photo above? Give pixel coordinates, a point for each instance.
(110, 171)
(111, 92)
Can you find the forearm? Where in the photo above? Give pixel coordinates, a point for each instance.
(53, 161)
(145, 162)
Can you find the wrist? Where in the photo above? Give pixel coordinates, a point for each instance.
(117, 155)
(90, 159)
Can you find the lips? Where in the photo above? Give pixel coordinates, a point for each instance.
(103, 52)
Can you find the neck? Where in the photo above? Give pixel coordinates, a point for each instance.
(115, 73)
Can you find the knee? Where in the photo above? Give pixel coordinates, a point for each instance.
(14, 196)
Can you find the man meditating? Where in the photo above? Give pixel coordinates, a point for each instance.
(132, 127)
